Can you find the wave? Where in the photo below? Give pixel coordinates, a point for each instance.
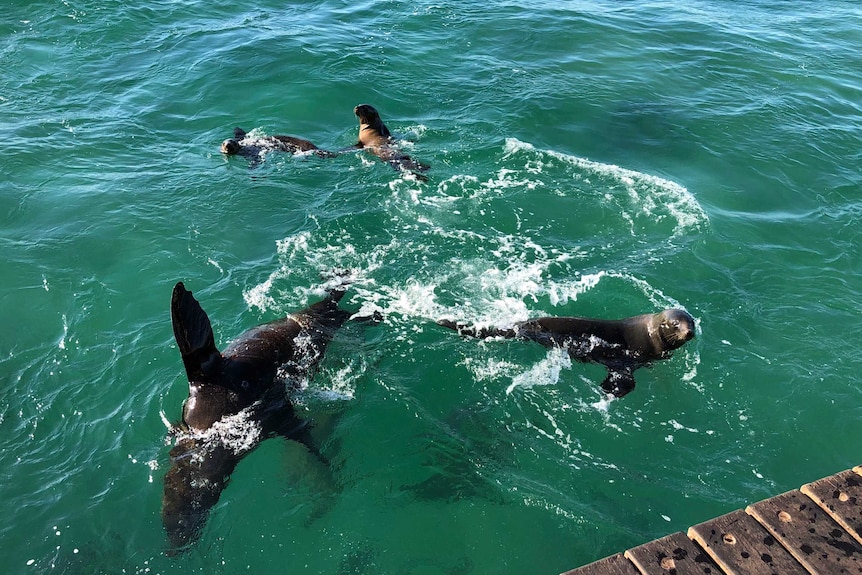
(642, 198)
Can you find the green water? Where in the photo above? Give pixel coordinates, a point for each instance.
(588, 158)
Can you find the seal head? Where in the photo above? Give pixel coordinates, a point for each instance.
(675, 328)
(372, 131)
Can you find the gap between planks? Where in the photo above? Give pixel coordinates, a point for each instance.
(815, 530)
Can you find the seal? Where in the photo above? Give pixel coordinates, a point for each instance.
(375, 137)
(255, 148)
(622, 345)
(237, 398)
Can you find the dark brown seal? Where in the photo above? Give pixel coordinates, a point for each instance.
(249, 377)
(255, 148)
(622, 345)
(375, 137)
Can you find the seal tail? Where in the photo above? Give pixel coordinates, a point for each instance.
(193, 332)
(337, 282)
(481, 333)
(327, 310)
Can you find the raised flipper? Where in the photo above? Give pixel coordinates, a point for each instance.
(194, 334)
(619, 382)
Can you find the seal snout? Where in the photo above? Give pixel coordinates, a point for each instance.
(230, 146)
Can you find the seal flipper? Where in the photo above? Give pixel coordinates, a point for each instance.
(619, 382)
(409, 167)
(302, 434)
(238, 133)
(199, 473)
(194, 334)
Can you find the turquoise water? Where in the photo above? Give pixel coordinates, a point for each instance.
(588, 158)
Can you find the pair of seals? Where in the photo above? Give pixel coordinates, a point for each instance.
(375, 137)
(250, 379)
(254, 148)
(247, 379)
(622, 346)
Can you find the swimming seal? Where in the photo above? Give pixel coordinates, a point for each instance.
(375, 137)
(622, 345)
(255, 148)
(238, 393)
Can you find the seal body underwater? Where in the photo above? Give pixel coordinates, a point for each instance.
(375, 137)
(238, 392)
(254, 148)
(622, 346)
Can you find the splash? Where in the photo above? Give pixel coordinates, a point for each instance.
(62, 343)
(240, 433)
(640, 196)
(339, 384)
(545, 372)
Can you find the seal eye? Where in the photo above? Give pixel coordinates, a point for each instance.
(245, 384)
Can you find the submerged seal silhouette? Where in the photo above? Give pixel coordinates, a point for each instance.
(622, 346)
(253, 148)
(245, 387)
(375, 137)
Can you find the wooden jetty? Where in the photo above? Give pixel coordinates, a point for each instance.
(816, 529)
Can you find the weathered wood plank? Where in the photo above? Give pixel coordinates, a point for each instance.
(675, 554)
(840, 496)
(811, 536)
(741, 546)
(613, 565)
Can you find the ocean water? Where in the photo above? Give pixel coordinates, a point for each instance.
(594, 158)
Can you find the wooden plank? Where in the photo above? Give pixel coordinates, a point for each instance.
(741, 546)
(840, 496)
(613, 565)
(814, 538)
(674, 554)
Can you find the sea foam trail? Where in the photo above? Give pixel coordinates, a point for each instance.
(639, 195)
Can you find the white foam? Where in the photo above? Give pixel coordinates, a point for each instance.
(239, 433)
(545, 372)
(215, 264)
(692, 360)
(62, 343)
(340, 385)
(486, 369)
(413, 133)
(680, 427)
(561, 292)
(508, 178)
(603, 405)
(258, 295)
(652, 197)
(414, 299)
